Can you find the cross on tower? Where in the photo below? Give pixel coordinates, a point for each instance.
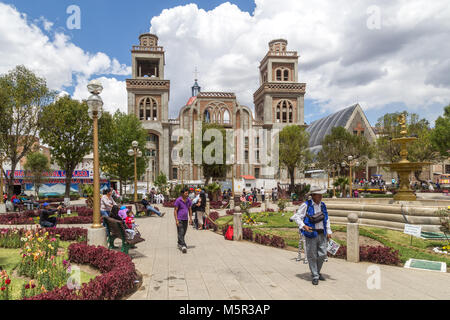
(196, 74)
(359, 129)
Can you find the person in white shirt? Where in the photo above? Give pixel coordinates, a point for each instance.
(263, 195)
(312, 219)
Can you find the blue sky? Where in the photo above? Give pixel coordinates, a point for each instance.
(403, 64)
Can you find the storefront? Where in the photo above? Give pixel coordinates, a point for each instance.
(54, 182)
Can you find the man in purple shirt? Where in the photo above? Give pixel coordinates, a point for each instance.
(182, 213)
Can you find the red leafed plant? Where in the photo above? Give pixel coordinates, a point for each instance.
(116, 281)
(379, 254)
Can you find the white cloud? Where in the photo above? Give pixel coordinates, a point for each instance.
(405, 61)
(114, 93)
(57, 59)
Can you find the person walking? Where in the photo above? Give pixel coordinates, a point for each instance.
(182, 213)
(199, 208)
(312, 219)
(263, 194)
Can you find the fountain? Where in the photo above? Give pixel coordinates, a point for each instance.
(404, 167)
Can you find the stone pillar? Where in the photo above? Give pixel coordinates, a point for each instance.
(232, 203)
(97, 237)
(352, 238)
(237, 224)
(207, 207)
(2, 208)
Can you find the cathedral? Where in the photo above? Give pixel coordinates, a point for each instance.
(278, 102)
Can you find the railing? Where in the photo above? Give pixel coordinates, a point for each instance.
(283, 53)
(142, 48)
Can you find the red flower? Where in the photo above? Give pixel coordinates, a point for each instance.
(8, 281)
(33, 286)
(3, 289)
(27, 286)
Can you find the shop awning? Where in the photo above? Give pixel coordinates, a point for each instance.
(248, 177)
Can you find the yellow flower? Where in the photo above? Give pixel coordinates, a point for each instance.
(50, 246)
(40, 239)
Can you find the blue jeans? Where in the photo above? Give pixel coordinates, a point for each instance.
(104, 214)
(150, 208)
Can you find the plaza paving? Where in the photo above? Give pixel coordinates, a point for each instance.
(218, 269)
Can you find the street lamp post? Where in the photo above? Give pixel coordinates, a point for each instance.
(95, 105)
(351, 163)
(96, 234)
(134, 151)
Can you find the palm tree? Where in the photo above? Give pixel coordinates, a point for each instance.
(341, 183)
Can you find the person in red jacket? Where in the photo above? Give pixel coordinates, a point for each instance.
(130, 225)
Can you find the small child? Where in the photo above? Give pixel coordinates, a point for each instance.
(130, 225)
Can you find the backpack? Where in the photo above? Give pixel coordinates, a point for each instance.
(229, 233)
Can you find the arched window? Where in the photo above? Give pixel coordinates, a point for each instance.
(148, 109)
(226, 117)
(290, 115)
(286, 75)
(278, 75)
(207, 116)
(285, 112)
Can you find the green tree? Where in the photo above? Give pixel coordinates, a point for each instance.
(441, 133)
(37, 163)
(116, 133)
(67, 129)
(293, 151)
(22, 96)
(339, 145)
(214, 170)
(161, 182)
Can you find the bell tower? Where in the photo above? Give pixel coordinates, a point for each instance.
(148, 91)
(280, 97)
(148, 99)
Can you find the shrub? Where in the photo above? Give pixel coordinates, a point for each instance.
(247, 234)
(116, 281)
(282, 204)
(379, 255)
(278, 242)
(263, 239)
(169, 204)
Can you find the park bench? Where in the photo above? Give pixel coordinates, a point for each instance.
(140, 208)
(116, 229)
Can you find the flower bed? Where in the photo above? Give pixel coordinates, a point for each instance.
(11, 238)
(267, 240)
(379, 255)
(29, 218)
(169, 204)
(230, 212)
(117, 279)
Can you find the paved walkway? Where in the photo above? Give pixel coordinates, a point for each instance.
(218, 269)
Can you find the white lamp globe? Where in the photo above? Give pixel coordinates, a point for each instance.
(131, 153)
(135, 144)
(95, 87)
